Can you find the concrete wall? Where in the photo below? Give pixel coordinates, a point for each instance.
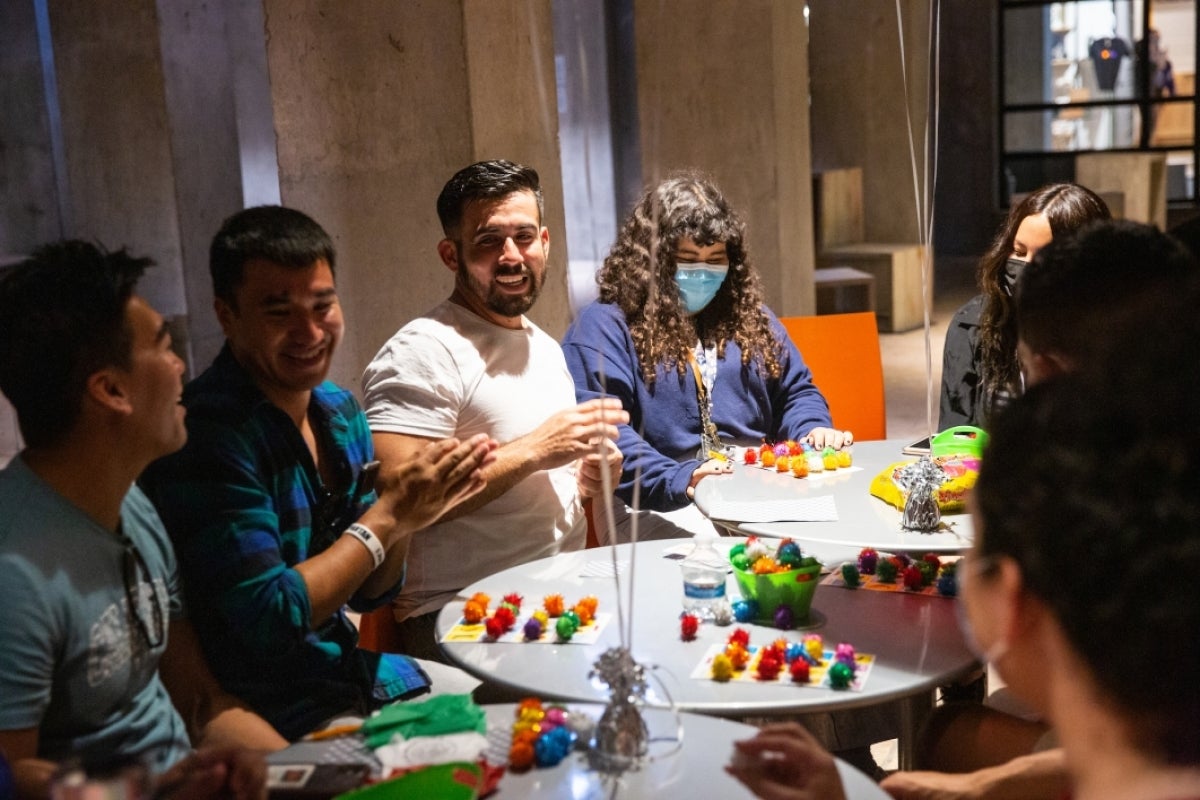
(859, 105)
(375, 108)
(722, 87)
(119, 173)
(222, 138)
(859, 116)
(367, 110)
(29, 213)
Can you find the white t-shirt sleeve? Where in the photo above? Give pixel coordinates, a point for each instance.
(413, 386)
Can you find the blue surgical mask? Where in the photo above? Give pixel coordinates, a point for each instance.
(699, 284)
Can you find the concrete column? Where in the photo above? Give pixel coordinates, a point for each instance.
(376, 106)
(29, 212)
(723, 87)
(859, 104)
(116, 139)
(222, 139)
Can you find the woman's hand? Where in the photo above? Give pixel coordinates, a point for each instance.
(785, 762)
(594, 466)
(714, 466)
(820, 438)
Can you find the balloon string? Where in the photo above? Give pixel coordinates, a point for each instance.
(924, 183)
(605, 504)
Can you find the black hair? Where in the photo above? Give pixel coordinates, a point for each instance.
(62, 318)
(1106, 275)
(1091, 483)
(1067, 207)
(485, 180)
(280, 235)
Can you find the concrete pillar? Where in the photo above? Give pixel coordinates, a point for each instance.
(581, 55)
(376, 106)
(119, 174)
(29, 212)
(859, 104)
(723, 87)
(222, 138)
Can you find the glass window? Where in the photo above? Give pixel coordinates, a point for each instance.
(1071, 129)
(1087, 75)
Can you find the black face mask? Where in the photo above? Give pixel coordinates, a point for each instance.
(1013, 267)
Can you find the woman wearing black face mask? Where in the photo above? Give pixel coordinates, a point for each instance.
(979, 363)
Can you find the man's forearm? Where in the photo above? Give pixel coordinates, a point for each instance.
(236, 725)
(1038, 776)
(513, 464)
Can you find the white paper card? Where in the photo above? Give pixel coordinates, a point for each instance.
(808, 509)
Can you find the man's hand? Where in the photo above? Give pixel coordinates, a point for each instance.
(785, 762)
(216, 772)
(574, 432)
(820, 438)
(416, 491)
(594, 466)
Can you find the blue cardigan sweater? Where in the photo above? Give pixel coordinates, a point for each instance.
(660, 442)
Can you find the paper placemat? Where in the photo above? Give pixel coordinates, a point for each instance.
(871, 583)
(818, 675)
(801, 509)
(588, 634)
(603, 568)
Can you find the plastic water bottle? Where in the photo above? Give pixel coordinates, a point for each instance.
(704, 572)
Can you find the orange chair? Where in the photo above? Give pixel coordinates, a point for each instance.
(377, 631)
(842, 350)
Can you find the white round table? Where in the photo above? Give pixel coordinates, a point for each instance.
(915, 640)
(862, 519)
(693, 769)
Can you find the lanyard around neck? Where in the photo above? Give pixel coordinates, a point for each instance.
(710, 440)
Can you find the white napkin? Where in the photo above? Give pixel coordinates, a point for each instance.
(430, 750)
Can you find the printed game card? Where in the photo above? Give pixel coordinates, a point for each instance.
(818, 673)
(587, 634)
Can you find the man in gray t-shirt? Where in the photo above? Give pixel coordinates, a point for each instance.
(95, 655)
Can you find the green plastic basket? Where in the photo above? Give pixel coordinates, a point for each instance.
(959, 440)
(794, 589)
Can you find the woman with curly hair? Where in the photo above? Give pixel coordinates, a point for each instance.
(681, 335)
(980, 372)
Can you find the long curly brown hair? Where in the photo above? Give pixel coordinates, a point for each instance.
(639, 276)
(1067, 206)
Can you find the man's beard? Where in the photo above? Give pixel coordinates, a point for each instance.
(507, 305)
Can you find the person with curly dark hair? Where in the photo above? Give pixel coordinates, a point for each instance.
(681, 335)
(979, 360)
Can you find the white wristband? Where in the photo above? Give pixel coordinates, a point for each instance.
(369, 540)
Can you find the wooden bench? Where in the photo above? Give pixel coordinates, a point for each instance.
(835, 284)
(840, 234)
(897, 272)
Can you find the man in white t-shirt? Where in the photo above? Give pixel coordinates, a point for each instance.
(476, 364)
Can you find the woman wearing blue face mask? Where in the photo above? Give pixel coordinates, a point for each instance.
(681, 335)
(980, 371)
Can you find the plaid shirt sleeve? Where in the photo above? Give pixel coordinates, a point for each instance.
(235, 539)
